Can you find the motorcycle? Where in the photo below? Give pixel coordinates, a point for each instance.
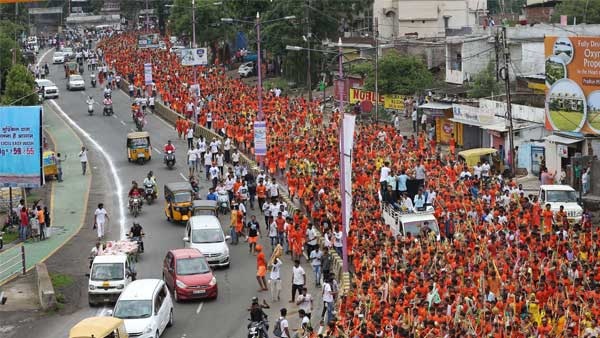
(149, 193)
(135, 206)
(170, 159)
(223, 202)
(255, 329)
(108, 110)
(139, 123)
(90, 108)
(93, 80)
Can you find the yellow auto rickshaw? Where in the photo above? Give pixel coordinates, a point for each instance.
(99, 327)
(50, 164)
(479, 155)
(71, 68)
(139, 148)
(204, 207)
(178, 201)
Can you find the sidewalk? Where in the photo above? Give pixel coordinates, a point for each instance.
(68, 201)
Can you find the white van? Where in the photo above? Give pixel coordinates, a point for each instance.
(146, 307)
(204, 233)
(558, 195)
(402, 223)
(108, 277)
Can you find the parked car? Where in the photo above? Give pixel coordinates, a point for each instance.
(146, 307)
(50, 89)
(75, 81)
(188, 275)
(558, 195)
(58, 57)
(206, 234)
(246, 69)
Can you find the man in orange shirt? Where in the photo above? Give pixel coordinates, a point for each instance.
(261, 193)
(261, 268)
(548, 216)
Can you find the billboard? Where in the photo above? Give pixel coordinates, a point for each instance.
(147, 74)
(573, 84)
(148, 41)
(260, 138)
(194, 57)
(389, 101)
(21, 146)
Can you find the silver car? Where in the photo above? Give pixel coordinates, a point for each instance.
(75, 82)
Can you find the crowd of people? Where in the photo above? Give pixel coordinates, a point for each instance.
(503, 265)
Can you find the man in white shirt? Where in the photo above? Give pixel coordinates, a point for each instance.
(227, 149)
(207, 164)
(273, 190)
(283, 324)
(298, 279)
(305, 301)
(191, 154)
(477, 170)
(413, 116)
(311, 239)
(383, 175)
(315, 262)
(100, 218)
(83, 159)
(328, 298)
(275, 278)
(485, 170)
(235, 157)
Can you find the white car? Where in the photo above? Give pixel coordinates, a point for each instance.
(75, 82)
(204, 232)
(146, 307)
(58, 57)
(246, 69)
(50, 89)
(565, 196)
(68, 53)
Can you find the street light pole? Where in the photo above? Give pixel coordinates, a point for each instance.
(376, 35)
(342, 160)
(259, 115)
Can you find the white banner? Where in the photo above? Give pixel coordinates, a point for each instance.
(348, 138)
(148, 73)
(194, 57)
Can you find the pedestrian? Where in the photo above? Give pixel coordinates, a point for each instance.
(275, 278)
(190, 135)
(24, 223)
(305, 302)
(328, 299)
(326, 262)
(83, 159)
(261, 269)
(41, 217)
(273, 234)
(298, 279)
(315, 261)
(59, 161)
(47, 219)
(253, 233)
(282, 326)
(311, 239)
(414, 120)
(100, 218)
(191, 157)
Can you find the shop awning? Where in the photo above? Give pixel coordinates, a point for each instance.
(560, 139)
(501, 127)
(436, 105)
(467, 122)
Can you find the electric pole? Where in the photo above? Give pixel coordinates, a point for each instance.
(497, 49)
(376, 36)
(308, 36)
(506, 78)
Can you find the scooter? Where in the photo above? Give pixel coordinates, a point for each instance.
(170, 159)
(108, 110)
(93, 82)
(90, 108)
(223, 202)
(149, 193)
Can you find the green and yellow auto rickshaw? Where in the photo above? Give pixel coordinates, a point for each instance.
(178, 201)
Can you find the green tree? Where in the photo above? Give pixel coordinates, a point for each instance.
(397, 74)
(586, 11)
(20, 87)
(484, 83)
(208, 20)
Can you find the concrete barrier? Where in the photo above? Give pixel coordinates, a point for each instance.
(170, 116)
(45, 288)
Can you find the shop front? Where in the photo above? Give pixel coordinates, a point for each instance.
(559, 148)
(473, 121)
(440, 115)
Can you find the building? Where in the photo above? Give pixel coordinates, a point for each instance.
(539, 11)
(427, 18)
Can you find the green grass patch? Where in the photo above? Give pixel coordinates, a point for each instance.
(10, 237)
(60, 280)
(566, 120)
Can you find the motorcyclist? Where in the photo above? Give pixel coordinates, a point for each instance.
(107, 91)
(169, 147)
(139, 115)
(258, 315)
(150, 181)
(90, 103)
(135, 233)
(134, 192)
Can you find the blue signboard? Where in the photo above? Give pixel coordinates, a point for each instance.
(21, 146)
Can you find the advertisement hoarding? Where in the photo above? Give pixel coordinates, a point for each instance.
(389, 101)
(21, 146)
(148, 41)
(260, 138)
(194, 57)
(573, 84)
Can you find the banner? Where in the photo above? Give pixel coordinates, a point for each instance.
(389, 101)
(260, 138)
(20, 146)
(148, 73)
(349, 122)
(394, 101)
(194, 57)
(148, 41)
(573, 84)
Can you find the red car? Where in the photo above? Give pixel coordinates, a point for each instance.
(188, 275)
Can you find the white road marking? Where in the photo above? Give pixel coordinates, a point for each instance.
(131, 129)
(122, 122)
(111, 165)
(199, 308)
(156, 149)
(102, 312)
(182, 175)
(43, 56)
(114, 115)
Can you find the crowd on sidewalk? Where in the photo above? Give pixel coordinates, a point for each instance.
(503, 265)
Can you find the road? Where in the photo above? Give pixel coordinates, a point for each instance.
(106, 136)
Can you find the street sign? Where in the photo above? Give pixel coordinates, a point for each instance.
(194, 57)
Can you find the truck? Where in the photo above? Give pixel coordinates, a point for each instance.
(413, 222)
(109, 275)
(558, 195)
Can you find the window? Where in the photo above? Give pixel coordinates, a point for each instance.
(107, 271)
(159, 299)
